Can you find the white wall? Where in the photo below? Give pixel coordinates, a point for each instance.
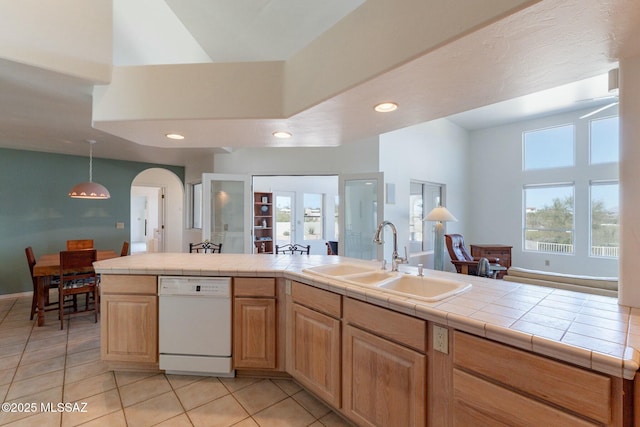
(437, 152)
(630, 176)
(496, 201)
(352, 157)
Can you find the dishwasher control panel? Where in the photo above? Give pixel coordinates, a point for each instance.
(189, 285)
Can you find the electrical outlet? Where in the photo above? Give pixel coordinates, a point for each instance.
(440, 339)
(287, 287)
(120, 225)
(547, 262)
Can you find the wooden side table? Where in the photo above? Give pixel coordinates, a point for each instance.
(494, 251)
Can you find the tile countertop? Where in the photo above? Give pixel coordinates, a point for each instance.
(592, 331)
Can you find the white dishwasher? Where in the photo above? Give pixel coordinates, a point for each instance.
(194, 328)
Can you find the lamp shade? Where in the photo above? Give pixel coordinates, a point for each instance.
(89, 190)
(440, 213)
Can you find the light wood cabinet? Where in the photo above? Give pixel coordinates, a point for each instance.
(129, 321)
(384, 380)
(494, 384)
(314, 330)
(254, 323)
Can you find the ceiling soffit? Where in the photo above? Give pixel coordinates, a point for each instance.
(242, 102)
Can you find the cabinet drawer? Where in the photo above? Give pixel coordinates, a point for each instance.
(481, 403)
(496, 254)
(573, 388)
(254, 287)
(317, 299)
(397, 327)
(128, 284)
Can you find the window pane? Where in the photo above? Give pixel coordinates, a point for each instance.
(283, 219)
(196, 205)
(549, 219)
(312, 216)
(605, 226)
(539, 144)
(604, 140)
(416, 213)
(336, 215)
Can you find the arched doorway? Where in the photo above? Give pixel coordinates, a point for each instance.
(157, 198)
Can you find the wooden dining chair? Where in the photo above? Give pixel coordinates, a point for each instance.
(293, 249)
(51, 282)
(74, 245)
(125, 249)
(205, 247)
(77, 276)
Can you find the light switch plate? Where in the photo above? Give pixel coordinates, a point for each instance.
(287, 287)
(440, 339)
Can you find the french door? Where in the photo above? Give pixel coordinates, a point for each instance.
(361, 210)
(227, 214)
(285, 223)
(226, 210)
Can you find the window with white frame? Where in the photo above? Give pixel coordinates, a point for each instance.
(313, 218)
(423, 197)
(605, 219)
(416, 214)
(604, 140)
(539, 144)
(196, 205)
(549, 218)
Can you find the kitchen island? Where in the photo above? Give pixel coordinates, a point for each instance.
(566, 355)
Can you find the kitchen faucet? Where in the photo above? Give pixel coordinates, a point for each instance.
(395, 258)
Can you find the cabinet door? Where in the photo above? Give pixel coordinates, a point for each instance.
(129, 328)
(315, 353)
(384, 383)
(254, 333)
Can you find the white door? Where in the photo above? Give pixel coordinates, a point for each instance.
(147, 219)
(226, 210)
(361, 209)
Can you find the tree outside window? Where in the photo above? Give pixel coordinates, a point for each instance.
(549, 218)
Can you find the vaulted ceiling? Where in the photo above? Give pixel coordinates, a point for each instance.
(227, 74)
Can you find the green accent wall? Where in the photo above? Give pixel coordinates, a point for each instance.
(36, 211)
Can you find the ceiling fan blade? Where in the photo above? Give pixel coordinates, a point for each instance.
(599, 110)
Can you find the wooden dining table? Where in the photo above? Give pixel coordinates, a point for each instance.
(49, 265)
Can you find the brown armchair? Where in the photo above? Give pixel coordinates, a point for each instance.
(460, 257)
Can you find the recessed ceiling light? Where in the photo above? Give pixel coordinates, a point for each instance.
(174, 136)
(282, 134)
(386, 107)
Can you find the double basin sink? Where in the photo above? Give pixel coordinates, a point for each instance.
(425, 288)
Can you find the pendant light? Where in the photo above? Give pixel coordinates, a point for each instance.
(89, 190)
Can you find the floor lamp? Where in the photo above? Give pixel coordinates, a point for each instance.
(439, 214)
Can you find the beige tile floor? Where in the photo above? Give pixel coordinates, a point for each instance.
(44, 365)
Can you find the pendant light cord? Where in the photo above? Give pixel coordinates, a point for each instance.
(90, 161)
